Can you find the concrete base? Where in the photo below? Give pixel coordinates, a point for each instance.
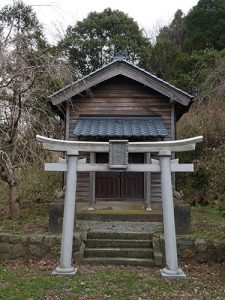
(179, 274)
(65, 271)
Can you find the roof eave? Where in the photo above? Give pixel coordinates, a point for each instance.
(101, 75)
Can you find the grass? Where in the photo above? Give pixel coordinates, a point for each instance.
(208, 222)
(31, 221)
(31, 280)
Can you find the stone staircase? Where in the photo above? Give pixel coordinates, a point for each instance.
(119, 248)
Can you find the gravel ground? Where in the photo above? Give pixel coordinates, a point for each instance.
(118, 226)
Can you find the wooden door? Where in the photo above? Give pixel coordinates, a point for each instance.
(132, 183)
(119, 185)
(107, 184)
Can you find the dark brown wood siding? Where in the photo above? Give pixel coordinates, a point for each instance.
(83, 181)
(119, 96)
(119, 185)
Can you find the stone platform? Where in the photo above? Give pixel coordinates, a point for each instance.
(56, 216)
(120, 215)
(182, 216)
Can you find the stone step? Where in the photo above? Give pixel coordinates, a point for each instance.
(109, 243)
(143, 216)
(119, 235)
(145, 262)
(119, 252)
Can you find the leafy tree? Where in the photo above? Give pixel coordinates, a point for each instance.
(206, 185)
(94, 41)
(175, 31)
(189, 53)
(19, 22)
(182, 69)
(165, 59)
(205, 25)
(27, 76)
(171, 61)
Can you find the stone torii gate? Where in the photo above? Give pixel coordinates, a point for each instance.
(118, 159)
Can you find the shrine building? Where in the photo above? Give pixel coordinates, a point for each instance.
(120, 101)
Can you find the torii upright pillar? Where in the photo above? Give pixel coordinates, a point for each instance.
(66, 267)
(171, 270)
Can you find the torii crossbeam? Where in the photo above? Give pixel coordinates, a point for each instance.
(118, 151)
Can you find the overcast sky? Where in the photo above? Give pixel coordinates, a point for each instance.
(56, 15)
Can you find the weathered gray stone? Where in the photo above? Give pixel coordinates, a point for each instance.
(200, 244)
(77, 257)
(58, 238)
(182, 214)
(204, 249)
(10, 238)
(187, 255)
(51, 240)
(18, 251)
(145, 262)
(185, 247)
(15, 238)
(219, 250)
(158, 258)
(1, 237)
(5, 256)
(36, 239)
(83, 235)
(55, 217)
(5, 237)
(76, 242)
(189, 248)
(185, 242)
(25, 239)
(37, 250)
(119, 226)
(5, 247)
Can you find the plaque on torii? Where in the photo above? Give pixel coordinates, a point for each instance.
(118, 154)
(118, 159)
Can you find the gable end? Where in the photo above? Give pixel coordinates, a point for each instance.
(121, 67)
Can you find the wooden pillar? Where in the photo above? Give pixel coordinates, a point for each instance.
(92, 184)
(148, 184)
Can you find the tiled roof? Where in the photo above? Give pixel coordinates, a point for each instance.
(120, 127)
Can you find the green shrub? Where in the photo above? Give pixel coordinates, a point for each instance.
(206, 184)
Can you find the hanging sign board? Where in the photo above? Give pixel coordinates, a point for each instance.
(118, 154)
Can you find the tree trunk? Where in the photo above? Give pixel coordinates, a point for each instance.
(14, 203)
